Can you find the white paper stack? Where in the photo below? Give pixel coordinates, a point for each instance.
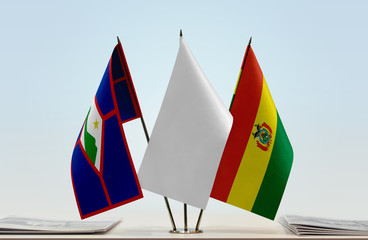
(42, 226)
(321, 226)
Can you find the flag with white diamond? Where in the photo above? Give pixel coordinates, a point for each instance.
(102, 170)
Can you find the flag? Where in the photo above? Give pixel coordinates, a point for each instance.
(257, 159)
(188, 138)
(102, 170)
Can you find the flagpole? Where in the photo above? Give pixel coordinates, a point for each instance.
(165, 198)
(241, 71)
(199, 220)
(147, 138)
(185, 205)
(185, 218)
(246, 54)
(145, 128)
(170, 213)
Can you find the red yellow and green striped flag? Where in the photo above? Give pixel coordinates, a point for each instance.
(257, 159)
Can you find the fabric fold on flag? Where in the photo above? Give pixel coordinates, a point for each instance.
(102, 170)
(258, 156)
(188, 138)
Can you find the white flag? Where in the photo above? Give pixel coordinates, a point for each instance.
(188, 138)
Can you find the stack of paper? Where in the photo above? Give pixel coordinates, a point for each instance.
(42, 226)
(322, 226)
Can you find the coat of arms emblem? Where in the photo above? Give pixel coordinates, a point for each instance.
(263, 136)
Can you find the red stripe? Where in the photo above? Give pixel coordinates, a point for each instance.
(109, 115)
(102, 145)
(129, 80)
(102, 138)
(80, 135)
(244, 110)
(99, 174)
(98, 108)
(110, 207)
(119, 79)
(123, 134)
(130, 119)
(105, 190)
(89, 160)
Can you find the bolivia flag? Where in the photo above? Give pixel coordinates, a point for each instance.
(257, 159)
(102, 170)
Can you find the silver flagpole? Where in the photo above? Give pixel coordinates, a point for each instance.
(185, 218)
(165, 198)
(199, 220)
(170, 214)
(185, 205)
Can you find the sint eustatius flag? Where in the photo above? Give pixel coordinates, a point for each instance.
(258, 156)
(103, 174)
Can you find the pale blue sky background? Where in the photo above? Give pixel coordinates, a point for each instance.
(312, 53)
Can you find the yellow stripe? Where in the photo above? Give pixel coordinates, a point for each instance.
(254, 163)
(236, 87)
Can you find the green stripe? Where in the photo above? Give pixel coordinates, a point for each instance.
(276, 176)
(90, 143)
(232, 100)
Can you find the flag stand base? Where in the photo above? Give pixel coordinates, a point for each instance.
(182, 231)
(185, 230)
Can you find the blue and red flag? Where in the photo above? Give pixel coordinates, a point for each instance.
(103, 174)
